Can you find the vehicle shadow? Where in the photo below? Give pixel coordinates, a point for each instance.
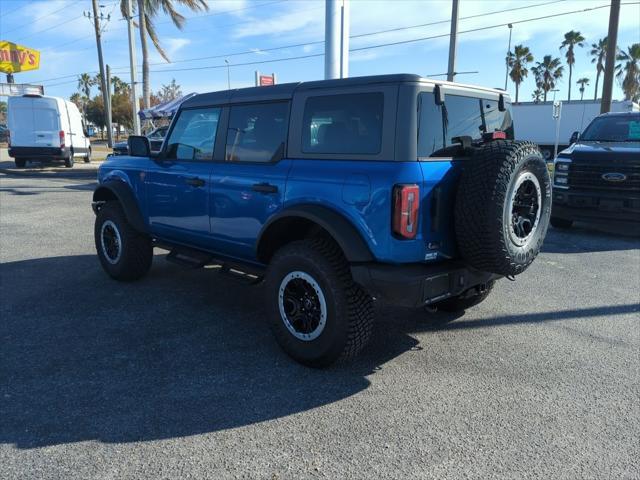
(589, 238)
(179, 353)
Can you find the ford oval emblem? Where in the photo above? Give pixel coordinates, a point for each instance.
(614, 177)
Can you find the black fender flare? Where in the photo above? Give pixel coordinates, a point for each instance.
(123, 194)
(342, 230)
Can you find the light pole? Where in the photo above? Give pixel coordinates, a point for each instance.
(506, 74)
(556, 113)
(228, 74)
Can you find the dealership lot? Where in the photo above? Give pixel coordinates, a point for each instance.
(177, 376)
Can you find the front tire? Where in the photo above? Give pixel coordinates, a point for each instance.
(87, 158)
(316, 311)
(20, 162)
(124, 253)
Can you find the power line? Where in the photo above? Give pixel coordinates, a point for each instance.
(401, 42)
(25, 4)
(318, 42)
(37, 19)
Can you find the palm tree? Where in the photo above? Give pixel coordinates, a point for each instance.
(85, 82)
(583, 82)
(518, 61)
(547, 72)
(119, 85)
(599, 54)
(629, 75)
(537, 95)
(571, 39)
(147, 11)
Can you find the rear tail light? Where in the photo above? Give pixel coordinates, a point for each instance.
(406, 203)
(61, 133)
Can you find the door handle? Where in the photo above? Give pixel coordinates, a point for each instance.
(195, 182)
(264, 188)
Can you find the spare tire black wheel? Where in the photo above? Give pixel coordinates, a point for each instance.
(503, 205)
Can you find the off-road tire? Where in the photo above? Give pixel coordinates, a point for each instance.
(349, 309)
(561, 223)
(483, 215)
(20, 162)
(136, 250)
(87, 158)
(465, 300)
(69, 161)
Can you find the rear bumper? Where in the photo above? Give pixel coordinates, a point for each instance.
(415, 285)
(596, 206)
(39, 152)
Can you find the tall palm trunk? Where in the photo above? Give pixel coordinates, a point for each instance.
(142, 24)
(570, 72)
(517, 88)
(595, 93)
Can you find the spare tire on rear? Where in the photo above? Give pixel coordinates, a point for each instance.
(503, 205)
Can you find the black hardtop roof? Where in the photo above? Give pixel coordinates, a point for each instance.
(285, 91)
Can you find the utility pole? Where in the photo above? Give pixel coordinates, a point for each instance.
(97, 17)
(506, 75)
(228, 74)
(336, 32)
(133, 66)
(609, 64)
(453, 40)
(109, 121)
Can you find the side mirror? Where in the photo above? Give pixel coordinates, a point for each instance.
(139, 146)
(575, 136)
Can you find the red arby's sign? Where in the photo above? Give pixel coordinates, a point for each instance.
(266, 80)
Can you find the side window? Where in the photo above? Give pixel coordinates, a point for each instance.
(431, 131)
(257, 132)
(193, 135)
(343, 124)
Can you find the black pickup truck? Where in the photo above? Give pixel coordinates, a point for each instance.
(597, 179)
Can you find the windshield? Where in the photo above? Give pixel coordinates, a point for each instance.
(613, 129)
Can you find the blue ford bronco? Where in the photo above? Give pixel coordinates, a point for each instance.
(334, 194)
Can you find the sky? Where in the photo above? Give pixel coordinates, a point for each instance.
(243, 31)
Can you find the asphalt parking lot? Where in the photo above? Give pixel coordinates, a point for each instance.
(176, 376)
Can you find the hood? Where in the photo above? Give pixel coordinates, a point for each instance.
(604, 151)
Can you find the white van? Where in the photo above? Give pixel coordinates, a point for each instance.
(46, 128)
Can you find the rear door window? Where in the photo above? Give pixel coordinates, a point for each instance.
(193, 135)
(343, 124)
(257, 132)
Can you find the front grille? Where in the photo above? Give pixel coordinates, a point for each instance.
(590, 176)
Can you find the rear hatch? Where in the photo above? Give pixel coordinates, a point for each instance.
(34, 122)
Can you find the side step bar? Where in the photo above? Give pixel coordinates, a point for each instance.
(192, 258)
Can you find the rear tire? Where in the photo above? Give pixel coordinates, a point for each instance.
(20, 162)
(68, 162)
(87, 158)
(467, 299)
(561, 223)
(316, 311)
(125, 254)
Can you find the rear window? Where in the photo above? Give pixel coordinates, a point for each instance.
(343, 124)
(45, 119)
(459, 116)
